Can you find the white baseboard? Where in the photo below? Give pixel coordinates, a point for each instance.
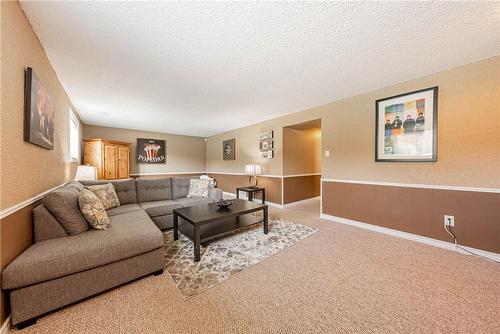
(5, 326)
(301, 202)
(244, 196)
(413, 237)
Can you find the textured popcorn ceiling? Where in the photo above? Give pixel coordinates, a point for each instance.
(205, 68)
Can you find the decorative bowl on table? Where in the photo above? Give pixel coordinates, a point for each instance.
(224, 203)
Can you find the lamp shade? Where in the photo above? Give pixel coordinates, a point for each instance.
(86, 173)
(253, 170)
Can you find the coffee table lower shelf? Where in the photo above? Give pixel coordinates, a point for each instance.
(217, 229)
(204, 222)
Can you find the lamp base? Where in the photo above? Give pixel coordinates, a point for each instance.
(252, 182)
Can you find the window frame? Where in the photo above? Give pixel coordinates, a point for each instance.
(73, 120)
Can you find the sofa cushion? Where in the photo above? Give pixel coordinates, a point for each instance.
(45, 225)
(157, 189)
(180, 187)
(93, 210)
(123, 209)
(160, 208)
(106, 194)
(185, 202)
(128, 235)
(125, 189)
(63, 205)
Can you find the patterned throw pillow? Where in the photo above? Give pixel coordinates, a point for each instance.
(92, 210)
(198, 188)
(106, 194)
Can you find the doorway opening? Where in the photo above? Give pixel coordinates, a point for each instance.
(302, 164)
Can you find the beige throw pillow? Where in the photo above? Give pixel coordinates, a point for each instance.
(93, 210)
(198, 188)
(106, 194)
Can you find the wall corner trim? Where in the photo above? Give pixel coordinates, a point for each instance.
(10, 210)
(6, 326)
(415, 185)
(410, 236)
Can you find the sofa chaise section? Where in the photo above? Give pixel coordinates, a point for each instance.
(60, 269)
(65, 265)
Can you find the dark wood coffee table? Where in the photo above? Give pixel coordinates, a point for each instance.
(204, 222)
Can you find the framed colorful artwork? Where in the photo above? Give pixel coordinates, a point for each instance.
(406, 127)
(39, 112)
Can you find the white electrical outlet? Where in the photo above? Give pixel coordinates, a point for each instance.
(327, 154)
(449, 220)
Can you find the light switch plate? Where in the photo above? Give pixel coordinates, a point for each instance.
(327, 154)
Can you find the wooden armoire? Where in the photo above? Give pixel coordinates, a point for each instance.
(112, 158)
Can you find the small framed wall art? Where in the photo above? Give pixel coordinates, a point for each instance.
(266, 145)
(406, 127)
(267, 154)
(228, 149)
(266, 135)
(151, 151)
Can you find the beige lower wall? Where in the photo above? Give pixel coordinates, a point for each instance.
(184, 153)
(468, 133)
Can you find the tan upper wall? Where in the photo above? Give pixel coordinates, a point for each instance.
(184, 153)
(468, 133)
(27, 169)
(301, 151)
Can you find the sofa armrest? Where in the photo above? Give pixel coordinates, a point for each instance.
(215, 194)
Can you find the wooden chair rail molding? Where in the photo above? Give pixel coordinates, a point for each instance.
(415, 185)
(267, 175)
(10, 210)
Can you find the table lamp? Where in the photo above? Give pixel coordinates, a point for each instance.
(86, 172)
(253, 170)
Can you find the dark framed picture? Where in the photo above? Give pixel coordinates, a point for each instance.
(39, 110)
(228, 149)
(266, 135)
(267, 154)
(406, 127)
(151, 151)
(266, 145)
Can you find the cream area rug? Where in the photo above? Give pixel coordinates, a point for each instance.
(227, 256)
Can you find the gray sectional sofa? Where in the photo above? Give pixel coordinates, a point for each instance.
(61, 268)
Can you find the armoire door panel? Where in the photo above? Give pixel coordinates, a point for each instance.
(110, 161)
(123, 162)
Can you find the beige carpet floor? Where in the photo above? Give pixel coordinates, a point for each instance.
(340, 280)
